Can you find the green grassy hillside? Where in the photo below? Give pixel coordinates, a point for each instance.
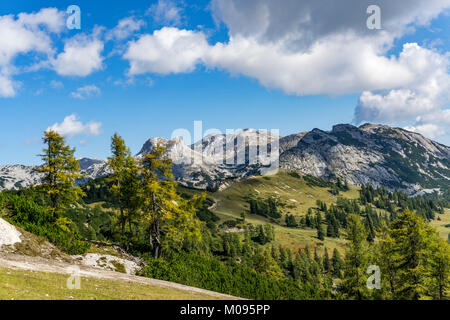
(296, 196)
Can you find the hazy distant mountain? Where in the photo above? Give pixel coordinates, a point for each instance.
(375, 154)
(19, 176)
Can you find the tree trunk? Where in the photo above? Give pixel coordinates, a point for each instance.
(131, 232)
(157, 240)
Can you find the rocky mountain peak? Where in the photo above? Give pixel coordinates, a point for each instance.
(375, 154)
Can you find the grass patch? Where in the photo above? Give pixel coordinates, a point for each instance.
(442, 226)
(290, 188)
(27, 285)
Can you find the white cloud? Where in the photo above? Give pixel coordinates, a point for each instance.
(296, 47)
(71, 126)
(56, 84)
(169, 50)
(166, 12)
(29, 32)
(308, 47)
(420, 101)
(7, 87)
(50, 18)
(81, 56)
(86, 92)
(125, 28)
(428, 130)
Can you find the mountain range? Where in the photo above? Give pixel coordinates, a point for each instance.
(377, 154)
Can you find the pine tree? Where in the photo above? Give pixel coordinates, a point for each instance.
(320, 232)
(290, 221)
(117, 162)
(356, 258)
(317, 258)
(337, 263)
(326, 261)
(61, 170)
(170, 218)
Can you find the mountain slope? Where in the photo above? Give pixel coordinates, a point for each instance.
(375, 154)
(19, 176)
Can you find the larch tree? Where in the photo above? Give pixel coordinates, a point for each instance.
(60, 172)
(356, 258)
(130, 189)
(421, 258)
(439, 262)
(170, 218)
(387, 259)
(117, 163)
(411, 237)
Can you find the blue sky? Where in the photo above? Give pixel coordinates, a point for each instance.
(231, 71)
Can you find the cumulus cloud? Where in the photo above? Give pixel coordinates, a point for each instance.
(309, 47)
(71, 126)
(420, 101)
(125, 28)
(28, 32)
(7, 87)
(86, 92)
(169, 50)
(50, 18)
(166, 12)
(81, 56)
(300, 24)
(428, 130)
(300, 47)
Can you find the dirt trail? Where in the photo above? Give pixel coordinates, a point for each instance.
(21, 262)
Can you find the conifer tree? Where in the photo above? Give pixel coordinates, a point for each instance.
(320, 232)
(60, 172)
(317, 258)
(130, 189)
(356, 258)
(265, 263)
(411, 237)
(117, 162)
(326, 261)
(439, 262)
(170, 218)
(337, 263)
(386, 258)
(307, 251)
